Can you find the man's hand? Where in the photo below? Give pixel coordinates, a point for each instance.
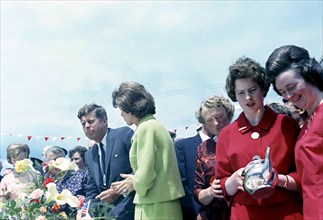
(109, 195)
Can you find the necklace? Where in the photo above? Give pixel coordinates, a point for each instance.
(310, 117)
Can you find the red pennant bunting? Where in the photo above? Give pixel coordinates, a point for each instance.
(29, 137)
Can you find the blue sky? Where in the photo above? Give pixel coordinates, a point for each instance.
(57, 56)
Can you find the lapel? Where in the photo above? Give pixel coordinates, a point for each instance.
(109, 148)
(198, 139)
(96, 166)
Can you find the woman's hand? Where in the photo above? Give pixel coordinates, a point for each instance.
(234, 182)
(216, 190)
(125, 186)
(206, 195)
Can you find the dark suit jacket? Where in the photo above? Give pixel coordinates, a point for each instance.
(118, 143)
(186, 150)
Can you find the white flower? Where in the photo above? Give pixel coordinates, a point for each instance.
(64, 164)
(40, 217)
(73, 166)
(61, 198)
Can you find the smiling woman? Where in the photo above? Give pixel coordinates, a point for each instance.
(299, 79)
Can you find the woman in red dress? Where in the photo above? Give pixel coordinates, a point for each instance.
(257, 127)
(299, 79)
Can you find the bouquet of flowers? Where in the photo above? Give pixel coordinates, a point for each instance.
(40, 199)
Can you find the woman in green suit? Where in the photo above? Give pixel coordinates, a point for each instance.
(156, 178)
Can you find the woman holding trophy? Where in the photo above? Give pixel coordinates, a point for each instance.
(258, 133)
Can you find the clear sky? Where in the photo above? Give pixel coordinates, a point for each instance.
(57, 56)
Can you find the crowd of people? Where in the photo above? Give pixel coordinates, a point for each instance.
(147, 174)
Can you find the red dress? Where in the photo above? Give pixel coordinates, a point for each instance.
(309, 163)
(236, 147)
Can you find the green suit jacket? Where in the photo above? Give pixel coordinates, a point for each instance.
(153, 159)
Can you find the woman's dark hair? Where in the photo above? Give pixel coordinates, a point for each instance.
(290, 57)
(244, 68)
(132, 97)
(79, 149)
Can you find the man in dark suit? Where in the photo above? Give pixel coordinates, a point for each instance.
(186, 150)
(106, 160)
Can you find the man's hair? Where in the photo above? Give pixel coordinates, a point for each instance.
(99, 111)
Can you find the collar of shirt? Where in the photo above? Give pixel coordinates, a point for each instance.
(203, 136)
(265, 123)
(103, 141)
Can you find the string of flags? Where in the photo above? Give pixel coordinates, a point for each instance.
(63, 138)
(45, 138)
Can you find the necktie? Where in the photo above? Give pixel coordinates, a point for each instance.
(102, 161)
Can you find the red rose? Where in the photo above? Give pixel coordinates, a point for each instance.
(46, 181)
(56, 208)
